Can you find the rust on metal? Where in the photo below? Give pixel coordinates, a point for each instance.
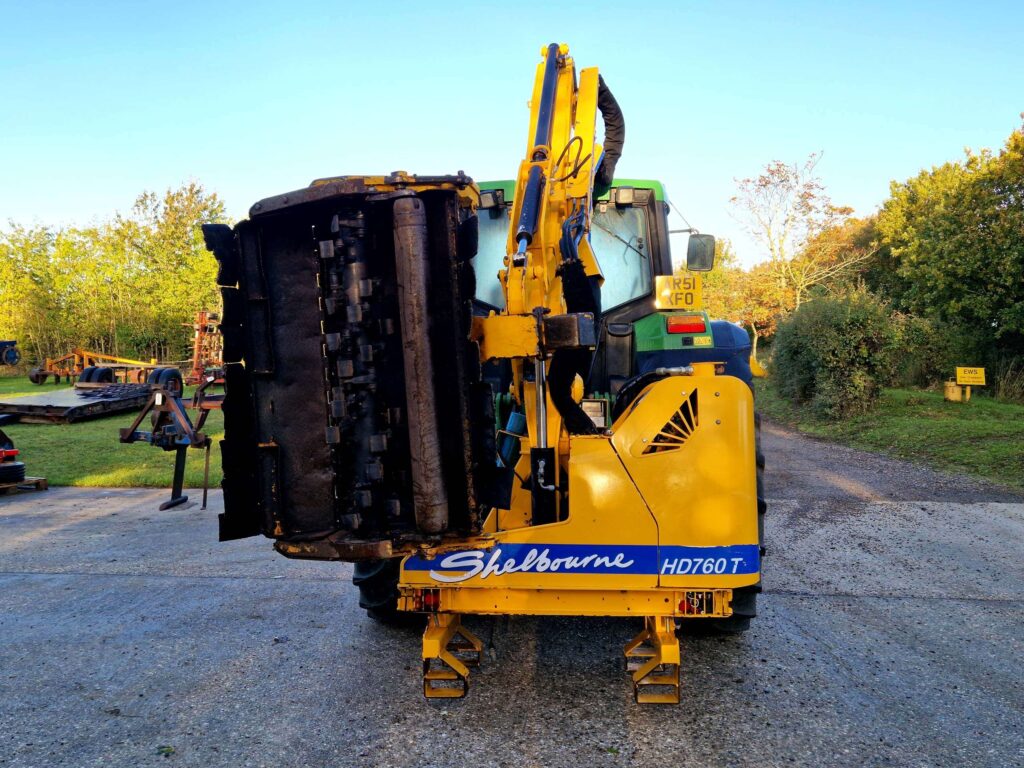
(335, 547)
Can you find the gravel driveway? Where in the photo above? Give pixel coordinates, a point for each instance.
(890, 634)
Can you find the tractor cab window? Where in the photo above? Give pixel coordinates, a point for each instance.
(618, 236)
(490, 255)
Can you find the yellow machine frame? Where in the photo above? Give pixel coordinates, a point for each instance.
(660, 519)
(74, 362)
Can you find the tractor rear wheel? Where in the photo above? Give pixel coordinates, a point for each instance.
(85, 377)
(377, 581)
(37, 376)
(170, 380)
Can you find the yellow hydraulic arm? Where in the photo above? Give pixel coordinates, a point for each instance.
(551, 279)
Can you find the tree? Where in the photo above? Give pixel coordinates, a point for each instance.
(956, 235)
(162, 246)
(126, 286)
(752, 298)
(835, 353)
(764, 301)
(26, 289)
(720, 294)
(830, 257)
(787, 210)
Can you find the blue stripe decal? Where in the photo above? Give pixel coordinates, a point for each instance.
(589, 558)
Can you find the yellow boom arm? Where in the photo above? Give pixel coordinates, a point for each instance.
(551, 278)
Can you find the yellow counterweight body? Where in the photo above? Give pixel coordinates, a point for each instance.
(665, 504)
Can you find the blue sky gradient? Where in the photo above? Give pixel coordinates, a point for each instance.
(100, 101)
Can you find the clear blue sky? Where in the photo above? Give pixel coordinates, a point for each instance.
(101, 100)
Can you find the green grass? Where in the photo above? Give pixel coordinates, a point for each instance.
(983, 438)
(15, 386)
(89, 454)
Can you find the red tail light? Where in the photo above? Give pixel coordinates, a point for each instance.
(8, 452)
(686, 324)
(431, 599)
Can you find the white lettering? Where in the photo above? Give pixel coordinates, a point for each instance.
(669, 566)
(492, 565)
(543, 563)
(536, 561)
(473, 558)
(529, 560)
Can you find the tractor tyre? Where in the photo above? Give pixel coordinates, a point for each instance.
(153, 380)
(12, 472)
(377, 581)
(85, 377)
(37, 376)
(170, 380)
(103, 376)
(11, 356)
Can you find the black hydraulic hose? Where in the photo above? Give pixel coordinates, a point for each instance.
(565, 365)
(614, 133)
(582, 294)
(631, 389)
(546, 110)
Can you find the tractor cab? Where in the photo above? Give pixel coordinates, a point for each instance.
(646, 322)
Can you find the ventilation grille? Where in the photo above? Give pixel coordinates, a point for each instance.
(678, 429)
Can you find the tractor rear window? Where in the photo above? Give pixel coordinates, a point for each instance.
(618, 237)
(490, 255)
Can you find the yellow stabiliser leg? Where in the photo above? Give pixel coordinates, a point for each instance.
(652, 659)
(445, 674)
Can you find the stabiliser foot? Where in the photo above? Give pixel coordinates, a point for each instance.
(652, 661)
(449, 649)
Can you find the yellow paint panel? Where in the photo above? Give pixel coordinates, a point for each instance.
(703, 493)
(506, 336)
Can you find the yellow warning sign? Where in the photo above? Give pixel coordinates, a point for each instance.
(973, 376)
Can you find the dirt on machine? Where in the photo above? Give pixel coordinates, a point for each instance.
(496, 397)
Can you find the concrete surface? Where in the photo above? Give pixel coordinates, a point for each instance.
(890, 634)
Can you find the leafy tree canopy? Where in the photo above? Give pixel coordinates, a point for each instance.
(127, 286)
